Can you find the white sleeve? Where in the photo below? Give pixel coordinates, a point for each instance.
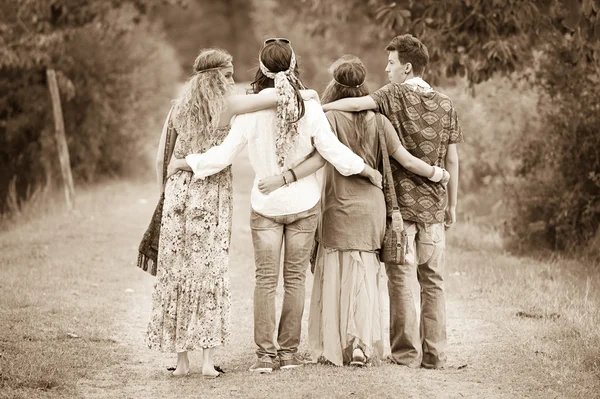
(221, 156)
(341, 157)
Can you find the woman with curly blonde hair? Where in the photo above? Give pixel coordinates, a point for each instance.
(280, 143)
(191, 298)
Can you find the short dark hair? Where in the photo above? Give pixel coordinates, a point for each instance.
(410, 49)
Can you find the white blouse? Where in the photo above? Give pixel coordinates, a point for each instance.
(258, 130)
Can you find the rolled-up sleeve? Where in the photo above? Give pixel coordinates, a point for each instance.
(221, 156)
(341, 157)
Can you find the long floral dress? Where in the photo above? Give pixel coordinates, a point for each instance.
(191, 301)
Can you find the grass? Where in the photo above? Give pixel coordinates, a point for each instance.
(553, 304)
(55, 283)
(517, 327)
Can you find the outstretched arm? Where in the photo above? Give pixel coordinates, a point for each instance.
(245, 103)
(351, 104)
(304, 169)
(217, 158)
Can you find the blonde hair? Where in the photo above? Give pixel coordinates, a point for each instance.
(196, 111)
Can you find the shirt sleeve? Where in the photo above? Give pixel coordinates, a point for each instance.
(341, 157)
(386, 97)
(456, 135)
(221, 156)
(391, 137)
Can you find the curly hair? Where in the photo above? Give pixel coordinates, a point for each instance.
(196, 111)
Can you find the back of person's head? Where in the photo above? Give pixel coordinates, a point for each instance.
(196, 111)
(276, 56)
(278, 68)
(410, 49)
(212, 59)
(349, 75)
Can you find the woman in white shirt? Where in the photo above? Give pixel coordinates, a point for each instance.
(278, 140)
(191, 298)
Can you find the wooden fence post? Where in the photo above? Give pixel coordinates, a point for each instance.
(61, 141)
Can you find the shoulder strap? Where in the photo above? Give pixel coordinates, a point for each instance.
(388, 182)
(168, 145)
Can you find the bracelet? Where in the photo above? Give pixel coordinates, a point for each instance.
(438, 174)
(285, 182)
(294, 174)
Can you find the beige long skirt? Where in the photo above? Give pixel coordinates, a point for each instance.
(346, 307)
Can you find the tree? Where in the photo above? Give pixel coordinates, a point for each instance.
(113, 67)
(472, 38)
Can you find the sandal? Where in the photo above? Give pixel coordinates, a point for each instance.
(358, 358)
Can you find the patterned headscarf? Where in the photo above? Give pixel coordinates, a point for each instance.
(287, 108)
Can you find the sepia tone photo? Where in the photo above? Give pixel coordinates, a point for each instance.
(299, 199)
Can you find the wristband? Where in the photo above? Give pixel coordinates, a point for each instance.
(294, 174)
(438, 174)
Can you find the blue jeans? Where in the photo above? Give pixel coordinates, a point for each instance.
(269, 233)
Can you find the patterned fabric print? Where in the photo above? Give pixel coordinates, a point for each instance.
(191, 301)
(287, 108)
(426, 123)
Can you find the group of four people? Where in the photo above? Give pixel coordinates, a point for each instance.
(282, 124)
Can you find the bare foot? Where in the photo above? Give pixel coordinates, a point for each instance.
(209, 371)
(181, 372)
(183, 365)
(208, 368)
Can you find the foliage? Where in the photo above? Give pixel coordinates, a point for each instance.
(495, 123)
(226, 24)
(559, 175)
(115, 73)
(543, 153)
(472, 38)
(320, 32)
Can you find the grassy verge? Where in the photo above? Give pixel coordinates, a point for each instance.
(58, 303)
(552, 305)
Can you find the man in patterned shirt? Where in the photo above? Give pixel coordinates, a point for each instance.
(427, 125)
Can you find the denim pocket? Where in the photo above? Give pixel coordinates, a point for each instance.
(259, 222)
(431, 242)
(308, 223)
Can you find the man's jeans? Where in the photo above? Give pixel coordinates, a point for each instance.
(411, 345)
(268, 235)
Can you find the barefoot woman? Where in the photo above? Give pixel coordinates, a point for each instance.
(191, 299)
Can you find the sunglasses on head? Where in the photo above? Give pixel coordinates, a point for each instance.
(277, 39)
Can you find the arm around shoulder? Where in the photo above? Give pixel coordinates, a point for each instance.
(351, 104)
(245, 103)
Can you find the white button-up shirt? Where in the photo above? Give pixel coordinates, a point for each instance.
(258, 130)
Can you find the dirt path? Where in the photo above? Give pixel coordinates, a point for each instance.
(488, 349)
